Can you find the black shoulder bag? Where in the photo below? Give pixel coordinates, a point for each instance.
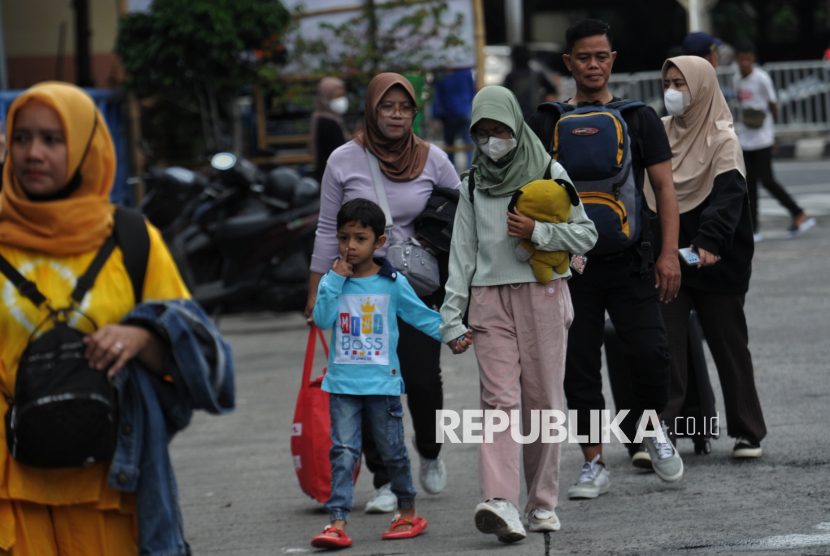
(64, 413)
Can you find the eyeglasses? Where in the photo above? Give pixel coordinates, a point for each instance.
(482, 137)
(388, 109)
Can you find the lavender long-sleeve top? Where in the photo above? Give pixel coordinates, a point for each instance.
(348, 177)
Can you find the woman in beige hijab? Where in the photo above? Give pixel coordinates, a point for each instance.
(709, 178)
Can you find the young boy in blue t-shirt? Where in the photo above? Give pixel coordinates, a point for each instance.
(360, 299)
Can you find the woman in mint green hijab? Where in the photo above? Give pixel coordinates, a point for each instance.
(501, 173)
(520, 326)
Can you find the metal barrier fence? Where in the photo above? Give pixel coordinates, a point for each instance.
(803, 90)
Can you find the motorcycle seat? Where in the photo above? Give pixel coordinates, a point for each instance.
(247, 225)
(251, 225)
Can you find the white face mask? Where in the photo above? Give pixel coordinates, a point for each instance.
(676, 102)
(340, 105)
(496, 148)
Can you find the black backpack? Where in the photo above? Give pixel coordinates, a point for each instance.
(64, 413)
(435, 223)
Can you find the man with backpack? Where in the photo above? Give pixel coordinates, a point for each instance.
(607, 144)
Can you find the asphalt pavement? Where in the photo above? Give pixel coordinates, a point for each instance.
(240, 495)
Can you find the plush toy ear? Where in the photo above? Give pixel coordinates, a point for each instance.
(514, 200)
(571, 191)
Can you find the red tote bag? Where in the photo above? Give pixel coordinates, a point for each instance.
(311, 431)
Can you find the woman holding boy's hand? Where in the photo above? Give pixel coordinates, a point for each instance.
(520, 325)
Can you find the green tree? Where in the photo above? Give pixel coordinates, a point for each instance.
(399, 36)
(198, 54)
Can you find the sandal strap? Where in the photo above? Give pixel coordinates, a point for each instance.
(401, 521)
(331, 528)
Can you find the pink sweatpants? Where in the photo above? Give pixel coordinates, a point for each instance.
(520, 335)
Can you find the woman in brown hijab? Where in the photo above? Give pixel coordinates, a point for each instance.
(328, 131)
(709, 178)
(411, 169)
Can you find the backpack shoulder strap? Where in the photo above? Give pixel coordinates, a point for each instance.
(26, 287)
(134, 239)
(559, 107)
(471, 184)
(85, 282)
(624, 104)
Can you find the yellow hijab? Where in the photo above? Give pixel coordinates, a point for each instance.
(83, 221)
(703, 140)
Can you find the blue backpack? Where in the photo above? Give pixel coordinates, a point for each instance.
(592, 144)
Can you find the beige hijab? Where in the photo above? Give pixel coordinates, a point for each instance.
(703, 140)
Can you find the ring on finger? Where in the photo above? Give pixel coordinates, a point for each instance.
(119, 346)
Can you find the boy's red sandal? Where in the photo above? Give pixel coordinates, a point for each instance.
(325, 540)
(418, 526)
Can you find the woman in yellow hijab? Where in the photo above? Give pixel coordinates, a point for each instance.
(55, 214)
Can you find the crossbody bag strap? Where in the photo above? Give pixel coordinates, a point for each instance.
(27, 288)
(85, 282)
(380, 190)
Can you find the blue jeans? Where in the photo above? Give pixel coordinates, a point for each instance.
(385, 415)
(453, 127)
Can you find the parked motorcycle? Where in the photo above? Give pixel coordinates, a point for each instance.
(245, 241)
(168, 191)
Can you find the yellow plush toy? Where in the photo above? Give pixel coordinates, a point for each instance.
(545, 201)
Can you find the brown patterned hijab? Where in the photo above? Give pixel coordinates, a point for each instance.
(401, 159)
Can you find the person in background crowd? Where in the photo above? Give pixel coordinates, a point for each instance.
(327, 128)
(55, 214)
(530, 86)
(704, 45)
(715, 221)
(411, 169)
(454, 94)
(758, 106)
(620, 283)
(520, 326)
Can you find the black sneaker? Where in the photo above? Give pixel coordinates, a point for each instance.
(746, 449)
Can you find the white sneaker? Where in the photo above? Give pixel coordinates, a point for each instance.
(499, 517)
(543, 520)
(383, 501)
(595, 480)
(433, 475)
(665, 460)
(795, 231)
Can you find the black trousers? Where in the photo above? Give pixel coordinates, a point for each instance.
(759, 167)
(724, 327)
(420, 358)
(614, 284)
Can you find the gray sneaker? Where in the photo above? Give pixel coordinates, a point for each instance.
(595, 480)
(665, 460)
(541, 521)
(499, 517)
